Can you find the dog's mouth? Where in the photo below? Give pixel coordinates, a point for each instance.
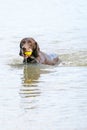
(25, 53)
(30, 59)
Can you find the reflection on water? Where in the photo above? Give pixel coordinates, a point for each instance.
(31, 74)
(30, 90)
(34, 97)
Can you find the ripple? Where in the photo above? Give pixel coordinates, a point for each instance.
(74, 59)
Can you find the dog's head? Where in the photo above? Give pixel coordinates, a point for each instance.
(27, 45)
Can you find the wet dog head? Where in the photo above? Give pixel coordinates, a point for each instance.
(27, 45)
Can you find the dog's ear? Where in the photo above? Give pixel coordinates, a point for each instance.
(22, 42)
(36, 50)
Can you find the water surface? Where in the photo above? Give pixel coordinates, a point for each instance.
(42, 97)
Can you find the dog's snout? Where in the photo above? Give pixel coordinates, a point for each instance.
(24, 49)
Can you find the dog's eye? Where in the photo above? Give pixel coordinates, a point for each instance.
(23, 41)
(29, 41)
(30, 45)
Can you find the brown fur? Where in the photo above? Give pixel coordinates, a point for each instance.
(37, 56)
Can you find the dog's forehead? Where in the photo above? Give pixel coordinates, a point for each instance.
(28, 40)
(31, 40)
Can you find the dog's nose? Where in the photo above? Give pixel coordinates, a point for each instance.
(24, 49)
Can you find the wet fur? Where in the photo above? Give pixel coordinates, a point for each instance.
(37, 55)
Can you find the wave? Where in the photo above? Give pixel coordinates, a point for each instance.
(74, 59)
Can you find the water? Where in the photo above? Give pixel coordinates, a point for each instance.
(42, 97)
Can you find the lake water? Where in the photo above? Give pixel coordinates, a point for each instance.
(42, 97)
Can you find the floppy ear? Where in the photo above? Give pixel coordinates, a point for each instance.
(36, 50)
(20, 53)
(22, 42)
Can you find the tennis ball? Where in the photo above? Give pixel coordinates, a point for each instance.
(28, 53)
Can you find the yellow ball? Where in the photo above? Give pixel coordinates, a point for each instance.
(28, 53)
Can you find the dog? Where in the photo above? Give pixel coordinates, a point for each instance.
(37, 56)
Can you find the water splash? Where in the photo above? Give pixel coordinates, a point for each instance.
(74, 59)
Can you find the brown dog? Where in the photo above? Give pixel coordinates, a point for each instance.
(37, 56)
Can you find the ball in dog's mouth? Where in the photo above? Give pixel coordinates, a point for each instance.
(28, 53)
